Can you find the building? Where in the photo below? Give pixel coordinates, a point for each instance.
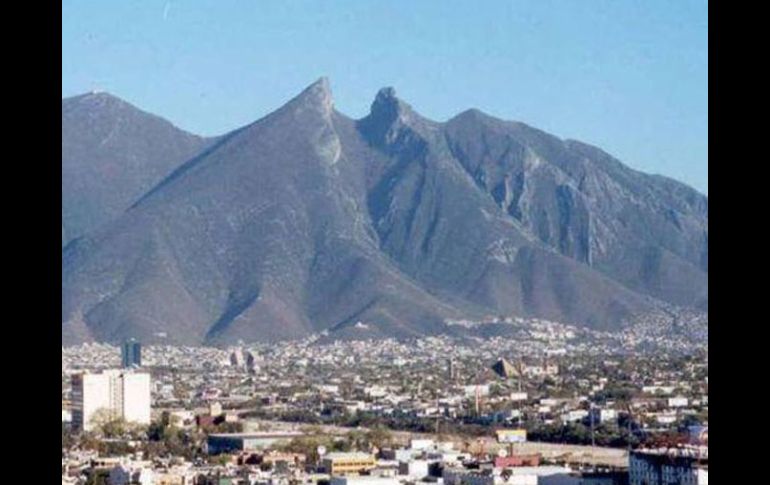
(511, 435)
(117, 394)
(504, 369)
(251, 361)
(215, 409)
(347, 463)
(677, 402)
(524, 475)
(699, 435)
(179, 417)
(124, 474)
(238, 358)
(603, 415)
(422, 444)
(574, 416)
(477, 390)
(461, 476)
(237, 442)
(417, 469)
(585, 478)
(275, 457)
(517, 460)
(668, 467)
(131, 354)
(178, 475)
(363, 480)
(452, 371)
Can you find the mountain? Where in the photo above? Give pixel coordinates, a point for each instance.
(388, 226)
(112, 153)
(648, 232)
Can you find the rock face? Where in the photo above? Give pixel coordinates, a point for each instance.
(112, 153)
(648, 232)
(307, 220)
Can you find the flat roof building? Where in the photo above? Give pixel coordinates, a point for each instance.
(234, 442)
(348, 463)
(663, 467)
(115, 394)
(131, 354)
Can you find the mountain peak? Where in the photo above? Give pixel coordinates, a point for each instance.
(390, 116)
(95, 97)
(318, 95)
(387, 106)
(321, 85)
(304, 221)
(386, 93)
(475, 115)
(472, 113)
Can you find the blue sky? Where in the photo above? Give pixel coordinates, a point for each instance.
(628, 76)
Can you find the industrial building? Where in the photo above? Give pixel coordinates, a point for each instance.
(233, 442)
(687, 466)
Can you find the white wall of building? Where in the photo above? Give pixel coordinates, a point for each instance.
(364, 480)
(90, 394)
(119, 394)
(136, 398)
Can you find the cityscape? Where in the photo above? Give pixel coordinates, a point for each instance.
(548, 407)
(384, 243)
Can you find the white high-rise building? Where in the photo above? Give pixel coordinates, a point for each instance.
(119, 394)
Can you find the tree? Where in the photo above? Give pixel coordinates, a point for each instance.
(308, 446)
(67, 438)
(226, 427)
(115, 428)
(108, 424)
(221, 460)
(379, 436)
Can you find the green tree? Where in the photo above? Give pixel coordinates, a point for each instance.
(67, 438)
(379, 436)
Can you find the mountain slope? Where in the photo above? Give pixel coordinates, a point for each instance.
(112, 153)
(434, 221)
(648, 232)
(307, 220)
(248, 241)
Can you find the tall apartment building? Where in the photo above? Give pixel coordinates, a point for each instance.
(118, 394)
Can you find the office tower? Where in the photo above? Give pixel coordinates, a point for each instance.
(131, 354)
(452, 372)
(237, 358)
(112, 394)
